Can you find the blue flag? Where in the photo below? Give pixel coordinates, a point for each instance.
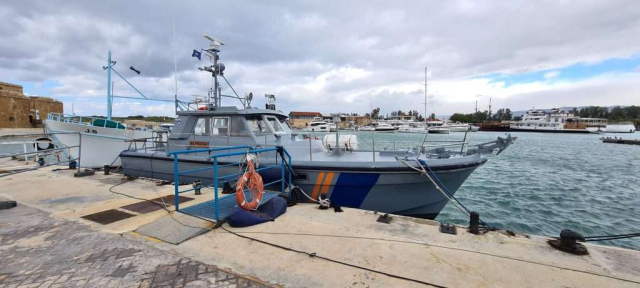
(196, 54)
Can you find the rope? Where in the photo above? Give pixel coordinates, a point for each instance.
(312, 254)
(611, 237)
(440, 187)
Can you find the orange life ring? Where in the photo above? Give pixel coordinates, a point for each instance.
(202, 108)
(254, 182)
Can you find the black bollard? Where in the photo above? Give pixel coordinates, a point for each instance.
(72, 165)
(107, 169)
(474, 222)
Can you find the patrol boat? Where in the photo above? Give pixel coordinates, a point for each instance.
(414, 182)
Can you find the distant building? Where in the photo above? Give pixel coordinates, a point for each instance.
(20, 111)
(354, 121)
(403, 117)
(299, 119)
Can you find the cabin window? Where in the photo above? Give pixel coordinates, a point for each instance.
(285, 124)
(238, 128)
(220, 126)
(203, 127)
(257, 125)
(275, 124)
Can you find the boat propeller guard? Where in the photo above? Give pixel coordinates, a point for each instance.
(251, 180)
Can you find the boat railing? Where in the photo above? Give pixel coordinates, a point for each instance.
(55, 149)
(157, 142)
(87, 120)
(219, 179)
(426, 144)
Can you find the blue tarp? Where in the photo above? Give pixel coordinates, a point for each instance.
(268, 211)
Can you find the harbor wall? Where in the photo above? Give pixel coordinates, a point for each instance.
(20, 111)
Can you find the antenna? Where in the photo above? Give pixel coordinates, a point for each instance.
(175, 63)
(215, 43)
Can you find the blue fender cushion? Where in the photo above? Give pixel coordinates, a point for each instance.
(268, 211)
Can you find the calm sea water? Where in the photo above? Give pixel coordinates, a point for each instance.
(546, 182)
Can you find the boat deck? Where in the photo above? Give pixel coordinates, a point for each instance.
(407, 247)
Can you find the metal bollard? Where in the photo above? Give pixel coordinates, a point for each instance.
(474, 222)
(107, 169)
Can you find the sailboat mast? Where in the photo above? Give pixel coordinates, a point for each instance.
(425, 94)
(109, 85)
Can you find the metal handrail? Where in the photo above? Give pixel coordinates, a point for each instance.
(216, 166)
(68, 148)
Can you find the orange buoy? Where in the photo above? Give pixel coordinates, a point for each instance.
(253, 181)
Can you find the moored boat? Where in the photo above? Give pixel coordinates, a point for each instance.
(558, 121)
(385, 181)
(621, 127)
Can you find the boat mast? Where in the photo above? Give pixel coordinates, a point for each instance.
(109, 85)
(425, 94)
(175, 66)
(215, 70)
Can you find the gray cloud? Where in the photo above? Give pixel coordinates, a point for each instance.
(305, 50)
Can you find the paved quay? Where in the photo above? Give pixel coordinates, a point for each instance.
(48, 239)
(40, 251)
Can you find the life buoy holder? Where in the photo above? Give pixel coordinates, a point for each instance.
(253, 181)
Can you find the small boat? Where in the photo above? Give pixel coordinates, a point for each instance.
(385, 127)
(332, 127)
(366, 128)
(415, 130)
(436, 127)
(458, 127)
(317, 125)
(621, 127)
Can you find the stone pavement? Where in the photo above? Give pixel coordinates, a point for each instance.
(37, 250)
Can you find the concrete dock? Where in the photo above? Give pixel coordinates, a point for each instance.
(45, 236)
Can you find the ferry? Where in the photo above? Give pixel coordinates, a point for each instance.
(557, 120)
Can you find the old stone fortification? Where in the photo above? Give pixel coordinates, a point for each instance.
(20, 111)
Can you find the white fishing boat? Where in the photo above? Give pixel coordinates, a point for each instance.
(366, 128)
(621, 127)
(102, 139)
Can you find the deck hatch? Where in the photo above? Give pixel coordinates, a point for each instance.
(108, 216)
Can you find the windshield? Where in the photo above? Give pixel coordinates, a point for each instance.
(285, 124)
(275, 124)
(257, 126)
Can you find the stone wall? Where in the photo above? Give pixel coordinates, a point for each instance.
(20, 111)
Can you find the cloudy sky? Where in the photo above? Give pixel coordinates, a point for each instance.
(330, 56)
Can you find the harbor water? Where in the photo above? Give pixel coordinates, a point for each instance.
(545, 182)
